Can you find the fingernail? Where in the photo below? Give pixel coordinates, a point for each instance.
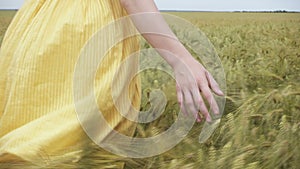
(208, 119)
(217, 111)
(220, 92)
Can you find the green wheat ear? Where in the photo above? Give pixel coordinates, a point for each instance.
(254, 165)
(212, 154)
(239, 162)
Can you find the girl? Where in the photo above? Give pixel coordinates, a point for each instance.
(38, 122)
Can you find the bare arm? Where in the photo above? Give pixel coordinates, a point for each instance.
(191, 76)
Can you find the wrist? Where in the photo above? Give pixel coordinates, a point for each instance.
(177, 54)
(180, 58)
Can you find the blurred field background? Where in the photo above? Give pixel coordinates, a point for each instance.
(260, 127)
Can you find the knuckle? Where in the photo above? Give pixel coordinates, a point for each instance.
(201, 102)
(189, 103)
(178, 88)
(203, 108)
(179, 102)
(207, 94)
(190, 85)
(199, 80)
(190, 106)
(209, 98)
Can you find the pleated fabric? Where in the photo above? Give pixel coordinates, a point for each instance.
(38, 121)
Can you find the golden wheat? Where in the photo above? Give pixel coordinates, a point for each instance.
(260, 53)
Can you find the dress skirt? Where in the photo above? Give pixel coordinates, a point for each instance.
(38, 120)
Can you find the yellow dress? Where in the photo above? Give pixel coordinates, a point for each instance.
(38, 121)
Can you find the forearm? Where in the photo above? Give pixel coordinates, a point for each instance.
(147, 18)
(191, 77)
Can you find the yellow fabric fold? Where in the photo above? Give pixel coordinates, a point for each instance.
(38, 121)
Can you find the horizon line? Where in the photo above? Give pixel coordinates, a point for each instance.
(189, 10)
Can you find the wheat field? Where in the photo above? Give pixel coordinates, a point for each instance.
(260, 128)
